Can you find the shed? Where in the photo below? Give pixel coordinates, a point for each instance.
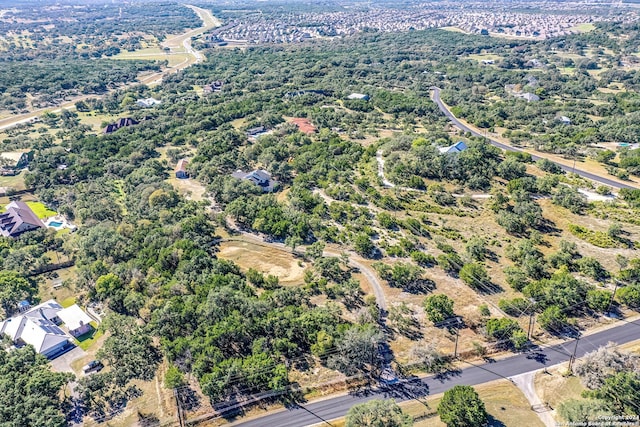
(181, 169)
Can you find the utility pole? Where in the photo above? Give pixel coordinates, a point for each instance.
(613, 295)
(531, 323)
(455, 350)
(573, 356)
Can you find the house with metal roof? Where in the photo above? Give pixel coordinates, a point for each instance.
(39, 327)
(17, 219)
(259, 177)
(76, 320)
(458, 147)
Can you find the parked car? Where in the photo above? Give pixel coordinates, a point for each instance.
(94, 365)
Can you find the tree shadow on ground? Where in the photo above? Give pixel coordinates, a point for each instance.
(412, 388)
(494, 422)
(188, 398)
(447, 375)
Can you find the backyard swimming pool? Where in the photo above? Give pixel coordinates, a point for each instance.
(55, 224)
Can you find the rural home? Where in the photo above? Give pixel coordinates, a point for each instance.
(358, 96)
(18, 219)
(76, 320)
(37, 326)
(256, 131)
(213, 87)
(148, 102)
(259, 177)
(458, 147)
(13, 161)
(123, 122)
(181, 169)
(304, 125)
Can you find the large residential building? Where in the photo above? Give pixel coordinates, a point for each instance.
(38, 326)
(259, 177)
(17, 219)
(121, 123)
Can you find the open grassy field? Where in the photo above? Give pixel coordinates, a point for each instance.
(289, 269)
(485, 57)
(556, 388)
(95, 120)
(584, 28)
(87, 340)
(15, 182)
(190, 188)
(155, 54)
(37, 207)
(454, 29)
(63, 294)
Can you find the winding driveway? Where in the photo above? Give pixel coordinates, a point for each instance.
(366, 271)
(474, 131)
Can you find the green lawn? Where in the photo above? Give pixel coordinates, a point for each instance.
(87, 340)
(584, 28)
(15, 182)
(41, 210)
(68, 302)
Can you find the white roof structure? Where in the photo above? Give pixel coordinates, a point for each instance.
(360, 96)
(74, 317)
(148, 102)
(13, 157)
(37, 327)
(455, 148)
(47, 310)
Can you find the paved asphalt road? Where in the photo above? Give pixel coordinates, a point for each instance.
(314, 413)
(585, 174)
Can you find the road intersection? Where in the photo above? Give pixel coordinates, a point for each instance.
(320, 412)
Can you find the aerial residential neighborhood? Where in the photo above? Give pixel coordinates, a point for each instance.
(300, 213)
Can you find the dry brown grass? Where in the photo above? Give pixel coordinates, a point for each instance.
(290, 270)
(155, 401)
(505, 404)
(556, 388)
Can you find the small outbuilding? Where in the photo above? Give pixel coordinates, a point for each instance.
(181, 169)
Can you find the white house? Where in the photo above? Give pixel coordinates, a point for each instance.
(148, 102)
(358, 96)
(76, 320)
(38, 326)
(458, 147)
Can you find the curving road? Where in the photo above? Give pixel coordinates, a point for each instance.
(183, 40)
(589, 175)
(320, 412)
